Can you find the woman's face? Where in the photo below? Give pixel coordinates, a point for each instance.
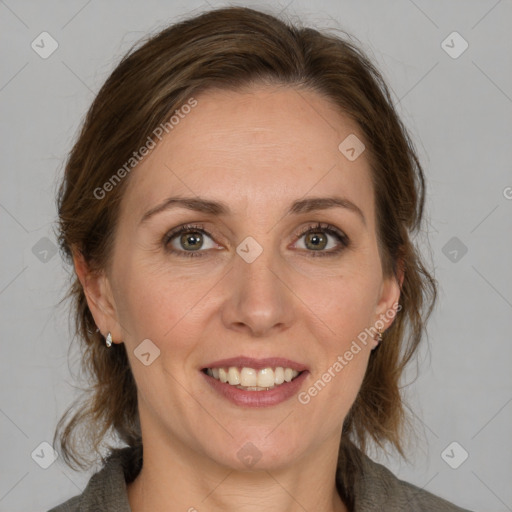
(246, 280)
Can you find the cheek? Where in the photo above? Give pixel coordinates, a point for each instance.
(345, 303)
(161, 305)
(346, 307)
(149, 304)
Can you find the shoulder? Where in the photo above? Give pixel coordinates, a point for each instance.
(106, 489)
(71, 505)
(378, 489)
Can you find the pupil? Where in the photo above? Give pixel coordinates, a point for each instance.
(317, 240)
(194, 238)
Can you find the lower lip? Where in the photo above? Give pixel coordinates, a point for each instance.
(273, 396)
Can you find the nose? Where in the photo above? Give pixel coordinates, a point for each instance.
(258, 301)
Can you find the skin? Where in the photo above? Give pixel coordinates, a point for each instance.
(256, 150)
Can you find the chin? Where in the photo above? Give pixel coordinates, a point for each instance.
(260, 452)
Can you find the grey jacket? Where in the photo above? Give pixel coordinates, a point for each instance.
(376, 489)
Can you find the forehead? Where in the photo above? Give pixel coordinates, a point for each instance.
(255, 149)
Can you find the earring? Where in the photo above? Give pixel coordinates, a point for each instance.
(379, 338)
(108, 341)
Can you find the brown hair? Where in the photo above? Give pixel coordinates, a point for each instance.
(231, 48)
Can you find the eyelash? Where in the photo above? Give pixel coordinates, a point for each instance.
(327, 228)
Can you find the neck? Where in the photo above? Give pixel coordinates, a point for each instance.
(177, 478)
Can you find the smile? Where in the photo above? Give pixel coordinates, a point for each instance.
(251, 379)
(254, 382)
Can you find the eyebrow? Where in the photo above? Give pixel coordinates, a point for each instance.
(219, 208)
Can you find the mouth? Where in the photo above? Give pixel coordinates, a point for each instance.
(253, 382)
(252, 379)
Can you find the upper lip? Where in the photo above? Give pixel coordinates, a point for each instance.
(257, 364)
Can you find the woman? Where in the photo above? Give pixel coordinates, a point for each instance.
(238, 209)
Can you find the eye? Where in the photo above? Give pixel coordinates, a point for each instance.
(187, 241)
(316, 240)
(192, 240)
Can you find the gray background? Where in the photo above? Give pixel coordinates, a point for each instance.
(459, 113)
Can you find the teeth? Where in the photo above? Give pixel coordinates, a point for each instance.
(223, 376)
(250, 379)
(266, 378)
(253, 388)
(233, 376)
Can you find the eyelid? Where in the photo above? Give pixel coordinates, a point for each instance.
(343, 239)
(185, 228)
(321, 226)
(169, 235)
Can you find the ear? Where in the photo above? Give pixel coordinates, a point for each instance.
(99, 297)
(389, 297)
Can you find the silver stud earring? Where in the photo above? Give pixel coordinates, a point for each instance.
(108, 341)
